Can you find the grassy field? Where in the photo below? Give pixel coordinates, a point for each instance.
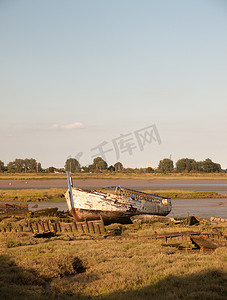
(114, 175)
(187, 194)
(130, 266)
(57, 195)
(33, 195)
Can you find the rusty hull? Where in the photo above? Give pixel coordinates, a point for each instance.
(107, 216)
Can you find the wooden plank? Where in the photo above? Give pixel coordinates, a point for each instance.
(74, 227)
(96, 228)
(91, 227)
(202, 242)
(80, 227)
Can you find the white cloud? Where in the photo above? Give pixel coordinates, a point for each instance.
(75, 125)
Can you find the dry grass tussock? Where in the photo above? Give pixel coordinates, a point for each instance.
(72, 266)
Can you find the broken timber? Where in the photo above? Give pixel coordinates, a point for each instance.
(213, 219)
(201, 242)
(182, 235)
(9, 209)
(96, 227)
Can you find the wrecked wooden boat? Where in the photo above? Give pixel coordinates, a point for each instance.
(116, 206)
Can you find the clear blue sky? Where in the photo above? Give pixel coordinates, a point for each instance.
(74, 74)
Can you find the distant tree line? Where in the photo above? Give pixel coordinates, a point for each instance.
(186, 165)
(21, 165)
(166, 165)
(190, 165)
(98, 165)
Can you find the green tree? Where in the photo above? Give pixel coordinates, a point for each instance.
(39, 167)
(51, 169)
(26, 164)
(72, 165)
(99, 164)
(31, 165)
(118, 166)
(186, 165)
(200, 165)
(208, 166)
(111, 168)
(165, 165)
(19, 165)
(85, 169)
(181, 165)
(90, 168)
(149, 170)
(2, 167)
(217, 168)
(11, 167)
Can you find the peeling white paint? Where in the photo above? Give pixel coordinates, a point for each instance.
(119, 203)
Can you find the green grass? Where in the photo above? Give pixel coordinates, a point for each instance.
(123, 267)
(174, 194)
(33, 195)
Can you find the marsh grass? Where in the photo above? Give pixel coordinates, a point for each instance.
(124, 267)
(175, 194)
(58, 195)
(33, 195)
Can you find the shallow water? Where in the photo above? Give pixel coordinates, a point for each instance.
(204, 208)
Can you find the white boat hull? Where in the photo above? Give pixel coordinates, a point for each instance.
(93, 205)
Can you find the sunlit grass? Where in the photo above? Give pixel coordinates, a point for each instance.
(124, 267)
(179, 194)
(33, 195)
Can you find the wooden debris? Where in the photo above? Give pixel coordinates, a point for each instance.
(96, 227)
(202, 242)
(175, 245)
(50, 211)
(182, 235)
(192, 220)
(7, 209)
(213, 219)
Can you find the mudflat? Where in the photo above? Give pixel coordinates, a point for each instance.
(216, 185)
